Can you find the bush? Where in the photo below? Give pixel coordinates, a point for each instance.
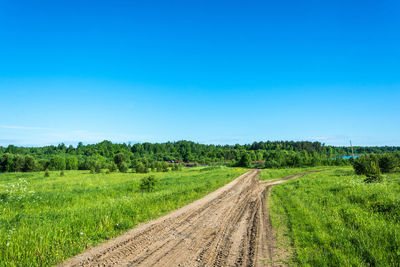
(30, 164)
(123, 167)
(164, 167)
(373, 172)
(112, 167)
(148, 183)
(387, 163)
(176, 167)
(245, 161)
(373, 165)
(62, 173)
(140, 168)
(46, 173)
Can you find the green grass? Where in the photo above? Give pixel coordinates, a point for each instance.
(333, 218)
(44, 221)
(268, 174)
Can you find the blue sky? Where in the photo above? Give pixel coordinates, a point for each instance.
(208, 71)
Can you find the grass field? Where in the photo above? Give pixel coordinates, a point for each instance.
(268, 174)
(46, 220)
(333, 218)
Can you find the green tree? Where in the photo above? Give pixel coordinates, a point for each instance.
(71, 163)
(19, 163)
(30, 164)
(123, 167)
(164, 167)
(140, 168)
(373, 172)
(7, 163)
(112, 167)
(57, 163)
(245, 161)
(148, 183)
(387, 163)
(119, 158)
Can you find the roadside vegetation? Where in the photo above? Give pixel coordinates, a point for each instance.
(268, 174)
(337, 218)
(46, 217)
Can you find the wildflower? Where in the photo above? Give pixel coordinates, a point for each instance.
(81, 233)
(8, 244)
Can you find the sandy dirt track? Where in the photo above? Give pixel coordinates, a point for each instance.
(229, 227)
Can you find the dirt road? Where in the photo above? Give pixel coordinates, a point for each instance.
(229, 227)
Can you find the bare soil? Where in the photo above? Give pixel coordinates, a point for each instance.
(229, 227)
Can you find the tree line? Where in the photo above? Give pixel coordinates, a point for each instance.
(142, 157)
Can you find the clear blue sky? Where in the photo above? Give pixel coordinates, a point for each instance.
(208, 71)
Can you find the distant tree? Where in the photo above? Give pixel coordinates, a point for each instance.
(245, 161)
(123, 167)
(159, 167)
(57, 163)
(140, 168)
(164, 167)
(95, 163)
(19, 163)
(71, 163)
(43, 164)
(153, 166)
(29, 164)
(7, 163)
(271, 164)
(119, 159)
(112, 167)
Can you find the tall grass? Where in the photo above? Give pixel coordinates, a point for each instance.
(333, 218)
(268, 174)
(44, 221)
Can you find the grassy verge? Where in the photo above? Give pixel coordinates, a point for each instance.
(333, 218)
(268, 174)
(44, 221)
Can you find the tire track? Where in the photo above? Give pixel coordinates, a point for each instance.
(229, 227)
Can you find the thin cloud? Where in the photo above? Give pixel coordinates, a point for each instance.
(23, 127)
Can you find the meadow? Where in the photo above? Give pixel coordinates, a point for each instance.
(268, 174)
(45, 220)
(334, 218)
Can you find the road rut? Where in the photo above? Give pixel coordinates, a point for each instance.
(229, 227)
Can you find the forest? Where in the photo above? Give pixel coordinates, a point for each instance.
(161, 156)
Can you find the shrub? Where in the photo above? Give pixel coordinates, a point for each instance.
(112, 167)
(245, 161)
(373, 172)
(62, 173)
(30, 164)
(46, 173)
(387, 163)
(123, 167)
(176, 167)
(164, 167)
(140, 168)
(148, 183)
